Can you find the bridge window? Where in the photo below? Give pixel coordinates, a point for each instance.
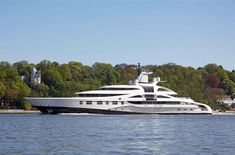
(119, 88)
(148, 89)
(137, 96)
(99, 95)
(162, 89)
(162, 96)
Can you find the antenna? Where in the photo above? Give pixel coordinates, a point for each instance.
(138, 68)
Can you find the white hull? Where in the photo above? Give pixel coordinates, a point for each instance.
(67, 105)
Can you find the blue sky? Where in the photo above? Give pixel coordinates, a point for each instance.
(186, 32)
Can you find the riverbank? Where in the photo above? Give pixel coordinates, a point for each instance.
(21, 111)
(224, 113)
(18, 111)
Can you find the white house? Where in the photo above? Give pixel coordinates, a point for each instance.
(226, 100)
(35, 76)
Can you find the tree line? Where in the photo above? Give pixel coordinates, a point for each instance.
(205, 84)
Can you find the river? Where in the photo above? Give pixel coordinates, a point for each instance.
(22, 134)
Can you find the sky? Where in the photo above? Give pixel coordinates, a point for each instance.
(186, 32)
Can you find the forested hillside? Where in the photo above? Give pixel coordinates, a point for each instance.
(205, 84)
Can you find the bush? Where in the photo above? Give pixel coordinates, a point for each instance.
(26, 105)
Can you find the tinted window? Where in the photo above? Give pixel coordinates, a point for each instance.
(148, 89)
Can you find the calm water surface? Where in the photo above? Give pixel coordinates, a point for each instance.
(119, 134)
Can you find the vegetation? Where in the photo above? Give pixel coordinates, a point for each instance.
(205, 84)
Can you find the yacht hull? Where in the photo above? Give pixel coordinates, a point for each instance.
(73, 105)
(57, 110)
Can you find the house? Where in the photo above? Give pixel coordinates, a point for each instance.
(227, 100)
(35, 76)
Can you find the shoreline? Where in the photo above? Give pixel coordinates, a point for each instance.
(22, 111)
(224, 113)
(18, 111)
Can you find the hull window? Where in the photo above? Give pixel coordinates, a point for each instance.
(154, 102)
(115, 102)
(89, 102)
(99, 102)
(80, 102)
(203, 108)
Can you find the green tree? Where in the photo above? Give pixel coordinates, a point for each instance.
(24, 69)
(65, 72)
(106, 73)
(52, 77)
(232, 76)
(2, 89)
(40, 90)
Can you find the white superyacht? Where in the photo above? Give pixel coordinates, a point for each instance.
(139, 97)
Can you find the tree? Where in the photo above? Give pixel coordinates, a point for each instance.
(77, 70)
(40, 90)
(105, 73)
(229, 87)
(52, 77)
(24, 69)
(212, 68)
(213, 81)
(232, 76)
(65, 72)
(2, 89)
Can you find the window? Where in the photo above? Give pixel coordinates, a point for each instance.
(161, 89)
(120, 89)
(137, 96)
(98, 95)
(107, 102)
(149, 97)
(162, 96)
(148, 89)
(80, 102)
(135, 102)
(99, 102)
(154, 102)
(115, 102)
(88, 102)
(122, 102)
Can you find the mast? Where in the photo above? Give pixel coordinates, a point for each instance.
(138, 69)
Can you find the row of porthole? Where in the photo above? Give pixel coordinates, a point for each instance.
(101, 102)
(184, 109)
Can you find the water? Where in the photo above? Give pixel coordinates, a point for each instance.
(119, 134)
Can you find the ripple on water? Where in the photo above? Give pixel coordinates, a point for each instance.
(119, 134)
